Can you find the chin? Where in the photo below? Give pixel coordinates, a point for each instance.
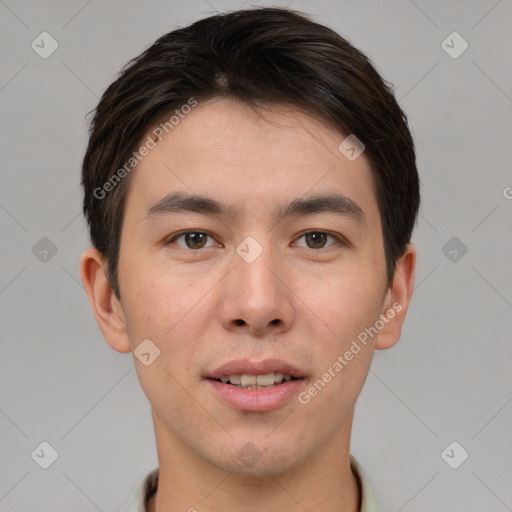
(258, 458)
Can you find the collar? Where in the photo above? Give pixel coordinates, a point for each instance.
(149, 485)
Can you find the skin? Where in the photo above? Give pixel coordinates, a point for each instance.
(188, 302)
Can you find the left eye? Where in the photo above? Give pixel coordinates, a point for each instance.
(316, 239)
(192, 240)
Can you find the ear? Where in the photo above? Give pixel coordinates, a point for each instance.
(105, 306)
(397, 300)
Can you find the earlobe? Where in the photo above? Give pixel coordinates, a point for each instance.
(397, 300)
(104, 304)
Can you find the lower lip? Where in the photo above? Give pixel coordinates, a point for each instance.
(257, 400)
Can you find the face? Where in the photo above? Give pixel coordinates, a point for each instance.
(282, 261)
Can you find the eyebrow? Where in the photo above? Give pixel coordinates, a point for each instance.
(180, 202)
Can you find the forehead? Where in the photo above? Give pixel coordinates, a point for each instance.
(225, 149)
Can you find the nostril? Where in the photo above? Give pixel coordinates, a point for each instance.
(239, 322)
(276, 321)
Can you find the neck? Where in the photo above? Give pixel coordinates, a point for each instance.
(323, 481)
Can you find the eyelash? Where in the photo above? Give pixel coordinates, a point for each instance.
(339, 238)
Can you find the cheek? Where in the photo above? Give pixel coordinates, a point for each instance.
(164, 307)
(346, 355)
(346, 307)
(346, 304)
(155, 299)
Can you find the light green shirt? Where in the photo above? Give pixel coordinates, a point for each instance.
(148, 486)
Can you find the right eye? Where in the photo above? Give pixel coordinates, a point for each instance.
(192, 240)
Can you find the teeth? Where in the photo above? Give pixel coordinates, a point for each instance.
(256, 381)
(247, 380)
(278, 377)
(265, 380)
(257, 387)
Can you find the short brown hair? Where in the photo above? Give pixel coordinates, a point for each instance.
(259, 56)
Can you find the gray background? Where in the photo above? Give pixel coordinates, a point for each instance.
(448, 379)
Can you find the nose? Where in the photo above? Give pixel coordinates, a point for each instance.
(255, 296)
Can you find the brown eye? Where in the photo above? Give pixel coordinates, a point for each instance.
(195, 240)
(192, 239)
(316, 240)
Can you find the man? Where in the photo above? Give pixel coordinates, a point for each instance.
(251, 190)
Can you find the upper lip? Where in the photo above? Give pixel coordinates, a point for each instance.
(247, 367)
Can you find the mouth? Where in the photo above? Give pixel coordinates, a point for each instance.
(256, 386)
(262, 381)
(245, 373)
